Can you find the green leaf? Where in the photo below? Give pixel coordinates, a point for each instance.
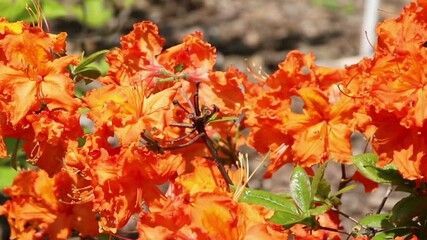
(319, 210)
(7, 175)
(53, 9)
(179, 67)
(269, 200)
(90, 59)
(366, 165)
(392, 234)
(346, 189)
(391, 173)
(323, 191)
(317, 178)
(408, 208)
(88, 73)
(286, 219)
(376, 221)
(333, 200)
(301, 189)
(223, 119)
(93, 13)
(14, 10)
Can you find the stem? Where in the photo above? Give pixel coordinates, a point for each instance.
(214, 153)
(185, 144)
(387, 194)
(344, 180)
(14, 157)
(333, 230)
(345, 215)
(183, 137)
(182, 125)
(196, 100)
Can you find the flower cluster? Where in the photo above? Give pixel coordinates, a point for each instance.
(382, 97)
(167, 117)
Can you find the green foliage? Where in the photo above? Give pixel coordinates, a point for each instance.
(333, 5)
(301, 189)
(391, 234)
(14, 10)
(7, 175)
(409, 210)
(376, 221)
(310, 197)
(87, 69)
(317, 179)
(268, 200)
(92, 13)
(366, 165)
(17, 158)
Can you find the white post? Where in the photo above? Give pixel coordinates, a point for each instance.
(370, 20)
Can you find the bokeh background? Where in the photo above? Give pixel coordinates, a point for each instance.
(261, 31)
(243, 31)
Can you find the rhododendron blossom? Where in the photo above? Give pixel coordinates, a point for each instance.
(168, 131)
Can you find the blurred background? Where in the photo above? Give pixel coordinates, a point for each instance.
(261, 31)
(243, 31)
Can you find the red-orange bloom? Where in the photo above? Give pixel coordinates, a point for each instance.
(404, 35)
(127, 111)
(199, 208)
(52, 134)
(299, 70)
(34, 79)
(273, 123)
(329, 219)
(136, 60)
(323, 131)
(38, 102)
(193, 59)
(35, 210)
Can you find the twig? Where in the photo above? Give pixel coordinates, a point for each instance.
(333, 230)
(387, 194)
(345, 215)
(344, 180)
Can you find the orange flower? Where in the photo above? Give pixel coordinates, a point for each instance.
(136, 60)
(400, 56)
(118, 180)
(38, 102)
(128, 111)
(53, 133)
(369, 185)
(322, 131)
(223, 90)
(194, 58)
(298, 70)
(330, 220)
(400, 87)
(269, 113)
(198, 206)
(265, 115)
(406, 34)
(404, 147)
(141, 59)
(204, 177)
(33, 81)
(36, 211)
